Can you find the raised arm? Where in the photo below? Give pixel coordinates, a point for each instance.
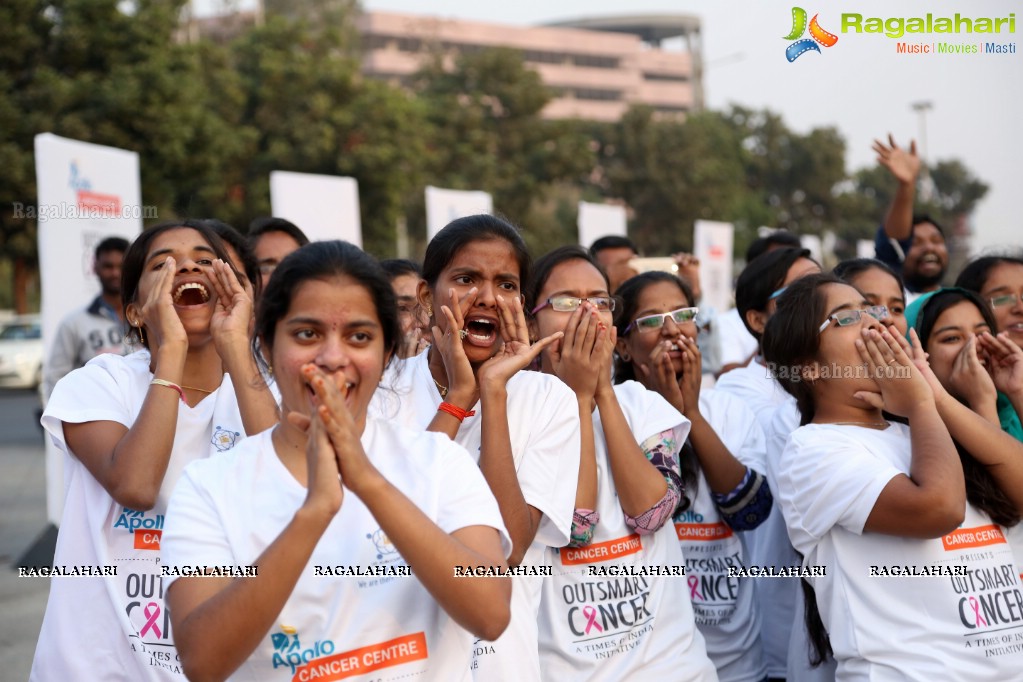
(130, 463)
(904, 165)
(230, 326)
(931, 501)
(496, 458)
(579, 360)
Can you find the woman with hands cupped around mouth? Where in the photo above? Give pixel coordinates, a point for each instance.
(522, 428)
(326, 491)
(629, 485)
(870, 498)
(128, 426)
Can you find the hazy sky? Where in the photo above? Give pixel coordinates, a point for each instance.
(861, 85)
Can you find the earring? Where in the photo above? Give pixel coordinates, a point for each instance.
(429, 311)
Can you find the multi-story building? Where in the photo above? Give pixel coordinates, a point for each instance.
(595, 67)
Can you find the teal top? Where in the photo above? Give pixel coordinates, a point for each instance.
(1007, 416)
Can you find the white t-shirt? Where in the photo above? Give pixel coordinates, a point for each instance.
(725, 606)
(786, 596)
(1015, 537)
(228, 510)
(543, 422)
(961, 627)
(735, 342)
(117, 627)
(754, 386)
(622, 627)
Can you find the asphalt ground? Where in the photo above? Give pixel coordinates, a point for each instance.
(22, 520)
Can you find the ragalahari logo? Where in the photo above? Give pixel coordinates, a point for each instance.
(817, 35)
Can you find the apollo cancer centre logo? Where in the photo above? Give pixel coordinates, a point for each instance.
(818, 36)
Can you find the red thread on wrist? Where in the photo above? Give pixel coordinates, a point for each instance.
(455, 411)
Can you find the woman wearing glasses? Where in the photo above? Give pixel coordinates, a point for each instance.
(920, 582)
(657, 346)
(999, 281)
(601, 616)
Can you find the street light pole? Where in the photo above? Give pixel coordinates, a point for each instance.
(926, 185)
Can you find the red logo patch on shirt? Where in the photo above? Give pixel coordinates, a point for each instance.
(969, 538)
(704, 532)
(364, 659)
(601, 551)
(147, 539)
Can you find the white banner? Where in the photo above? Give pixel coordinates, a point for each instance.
(865, 248)
(812, 243)
(323, 206)
(87, 192)
(600, 220)
(712, 244)
(445, 205)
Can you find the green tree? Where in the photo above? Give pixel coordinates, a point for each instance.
(487, 131)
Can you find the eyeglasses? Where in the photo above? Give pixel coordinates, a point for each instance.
(844, 318)
(651, 323)
(568, 304)
(1004, 300)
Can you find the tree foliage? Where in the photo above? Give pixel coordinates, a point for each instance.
(211, 119)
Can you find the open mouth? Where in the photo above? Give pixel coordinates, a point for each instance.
(930, 261)
(482, 331)
(191, 294)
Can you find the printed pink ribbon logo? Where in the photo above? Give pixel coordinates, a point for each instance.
(979, 619)
(694, 588)
(591, 619)
(151, 617)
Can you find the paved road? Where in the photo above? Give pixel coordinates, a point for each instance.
(22, 517)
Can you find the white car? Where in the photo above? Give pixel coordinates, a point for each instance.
(21, 352)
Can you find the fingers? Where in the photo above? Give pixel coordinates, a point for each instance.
(871, 398)
(513, 320)
(462, 305)
(452, 321)
(590, 330)
(330, 395)
(912, 147)
(300, 420)
(575, 320)
(164, 291)
(220, 288)
(869, 351)
(537, 347)
(891, 141)
(918, 349)
(692, 359)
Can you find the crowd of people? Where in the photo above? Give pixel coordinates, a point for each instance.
(301, 463)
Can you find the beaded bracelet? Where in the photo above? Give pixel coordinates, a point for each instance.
(455, 411)
(169, 384)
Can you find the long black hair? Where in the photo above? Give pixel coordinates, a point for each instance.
(323, 261)
(628, 294)
(135, 263)
(461, 232)
(981, 489)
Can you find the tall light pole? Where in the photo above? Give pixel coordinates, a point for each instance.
(926, 186)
